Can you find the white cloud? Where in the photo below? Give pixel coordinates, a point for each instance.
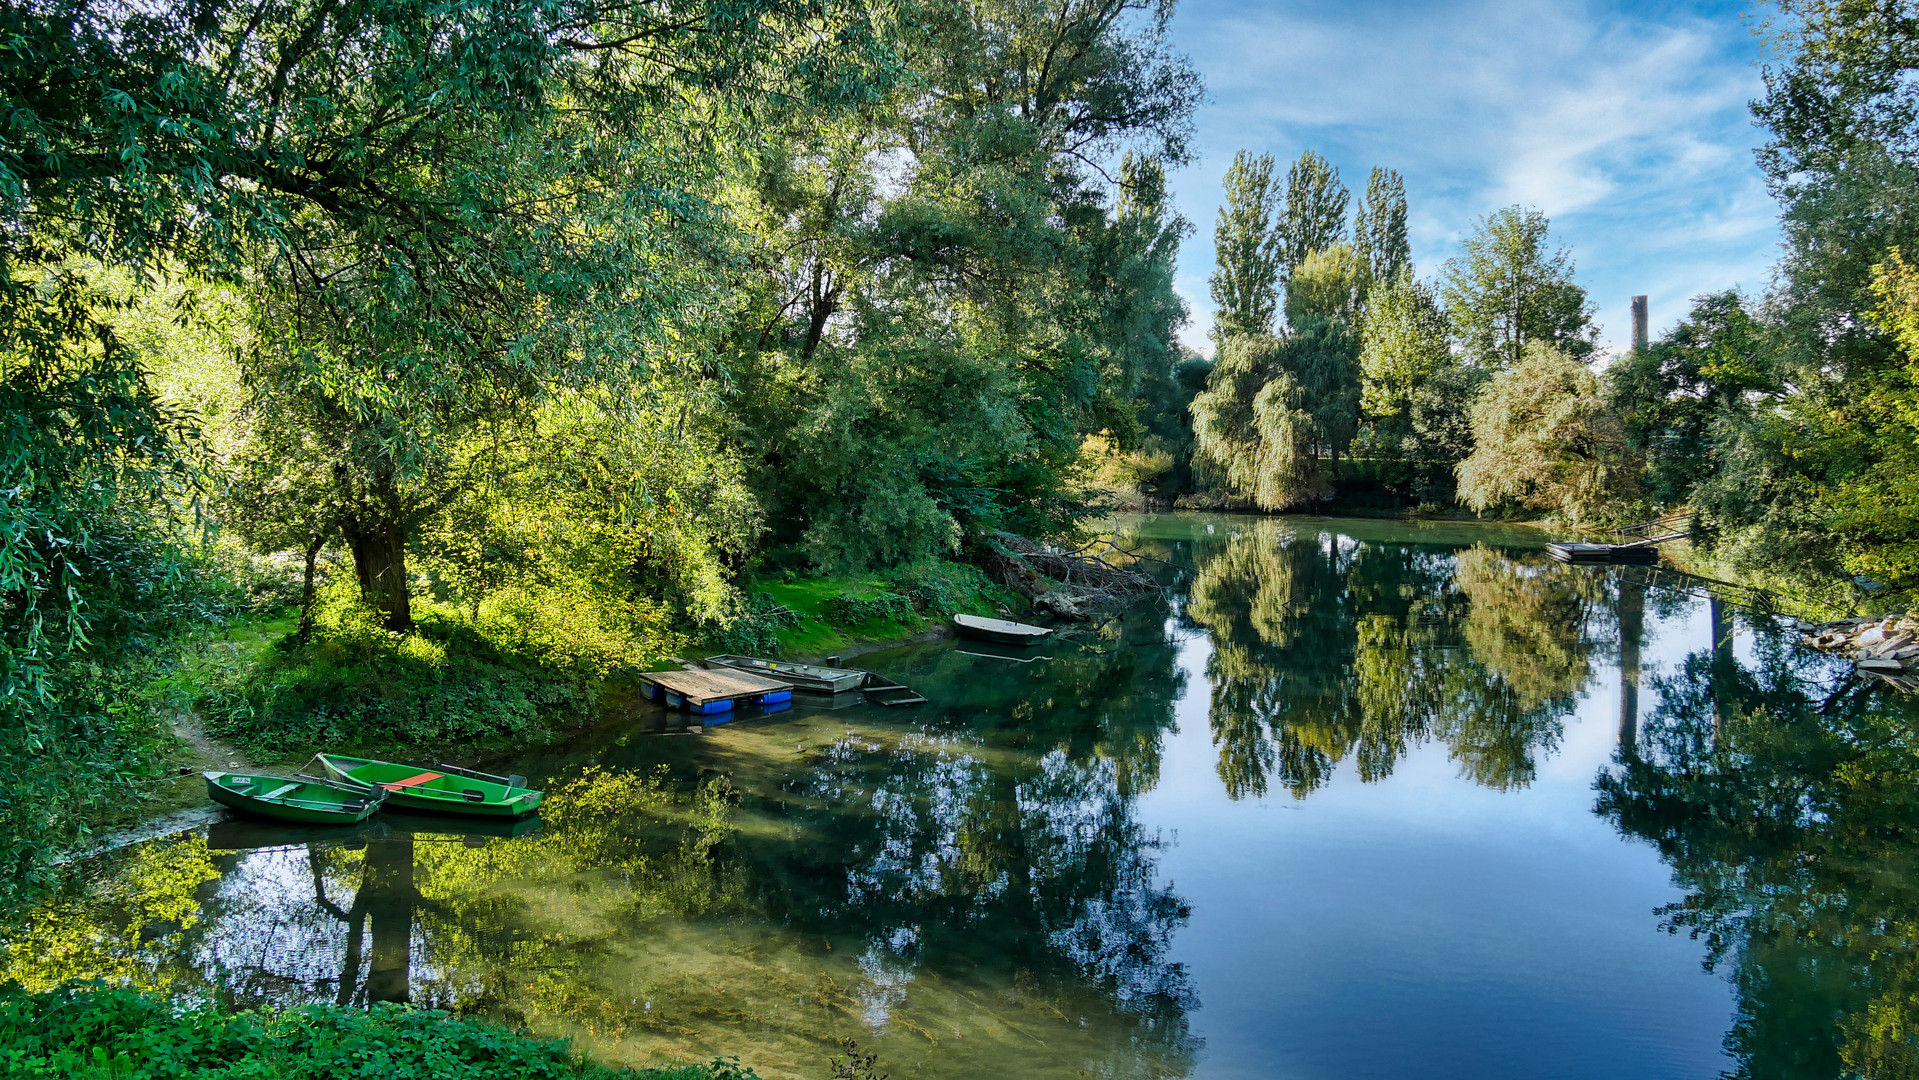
(1630, 132)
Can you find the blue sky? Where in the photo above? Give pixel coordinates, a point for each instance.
(1627, 124)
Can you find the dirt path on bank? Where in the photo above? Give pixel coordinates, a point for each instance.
(180, 801)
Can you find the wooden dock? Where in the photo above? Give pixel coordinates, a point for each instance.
(713, 690)
(1641, 552)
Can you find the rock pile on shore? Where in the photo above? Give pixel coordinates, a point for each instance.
(1887, 647)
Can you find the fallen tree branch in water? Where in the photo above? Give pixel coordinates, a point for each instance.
(1062, 583)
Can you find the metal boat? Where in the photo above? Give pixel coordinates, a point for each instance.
(820, 680)
(1003, 631)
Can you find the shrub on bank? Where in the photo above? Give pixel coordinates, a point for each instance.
(498, 676)
(89, 1031)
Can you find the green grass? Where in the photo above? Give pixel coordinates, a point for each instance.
(92, 1032)
(816, 635)
(936, 590)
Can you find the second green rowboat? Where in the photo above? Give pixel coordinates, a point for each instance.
(444, 789)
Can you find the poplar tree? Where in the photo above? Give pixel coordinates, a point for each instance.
(1314, 217)
(1379, 227)
(1245, 281)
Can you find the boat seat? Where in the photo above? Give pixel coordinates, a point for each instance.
(281, 790)
(412, 781)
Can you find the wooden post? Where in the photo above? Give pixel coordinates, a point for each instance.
(1638, 324)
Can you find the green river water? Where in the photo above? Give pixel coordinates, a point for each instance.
(1353, 799)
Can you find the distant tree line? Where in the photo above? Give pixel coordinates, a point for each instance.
(1785, 424)
(1336, 369)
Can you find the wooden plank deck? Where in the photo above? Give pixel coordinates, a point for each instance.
(701, 687)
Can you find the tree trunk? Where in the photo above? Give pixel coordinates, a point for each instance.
(379, 561)
(306, 590)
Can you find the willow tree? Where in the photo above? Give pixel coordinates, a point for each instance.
(1253, 434)
(1545, 438)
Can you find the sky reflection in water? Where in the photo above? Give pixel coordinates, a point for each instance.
(1363, 799)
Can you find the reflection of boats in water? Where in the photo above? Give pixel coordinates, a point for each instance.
(246, 834)
(1014, 654)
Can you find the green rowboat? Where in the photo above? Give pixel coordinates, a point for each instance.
(293, 799)
(443, 789)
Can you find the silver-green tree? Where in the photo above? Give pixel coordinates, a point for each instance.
(1246, 277)
(1544, 437)
(1379, 226)
(1507, 289)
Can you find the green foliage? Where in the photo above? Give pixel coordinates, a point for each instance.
(942, 588)
(93, 1032)
(1166, 415)
(1252, 435)
(1246, 250)
(605, 500)
(1415, 395)
(1506, 290)
(919, 353)
(1404, 340)
(1313, 217)
(1543, 437)
(756, 631)
(1878, 506)
(1679, 397)
(1272, 406)
(849, 610)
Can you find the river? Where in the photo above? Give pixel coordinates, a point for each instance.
(1353, 799)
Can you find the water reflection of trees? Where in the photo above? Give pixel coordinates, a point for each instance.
(969, 894)
(1787, 804)
(1002, 838)
(1326, 647)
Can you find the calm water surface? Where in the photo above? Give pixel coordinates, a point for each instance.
(1356, 799)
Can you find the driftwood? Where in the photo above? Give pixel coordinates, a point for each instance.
(1064, 583)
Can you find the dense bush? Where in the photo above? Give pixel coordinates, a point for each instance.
(942, 588)
(90, 1032)
(848, 610)
(756, 631)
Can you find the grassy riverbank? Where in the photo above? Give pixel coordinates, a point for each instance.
(505, 675)
(93, 1033)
